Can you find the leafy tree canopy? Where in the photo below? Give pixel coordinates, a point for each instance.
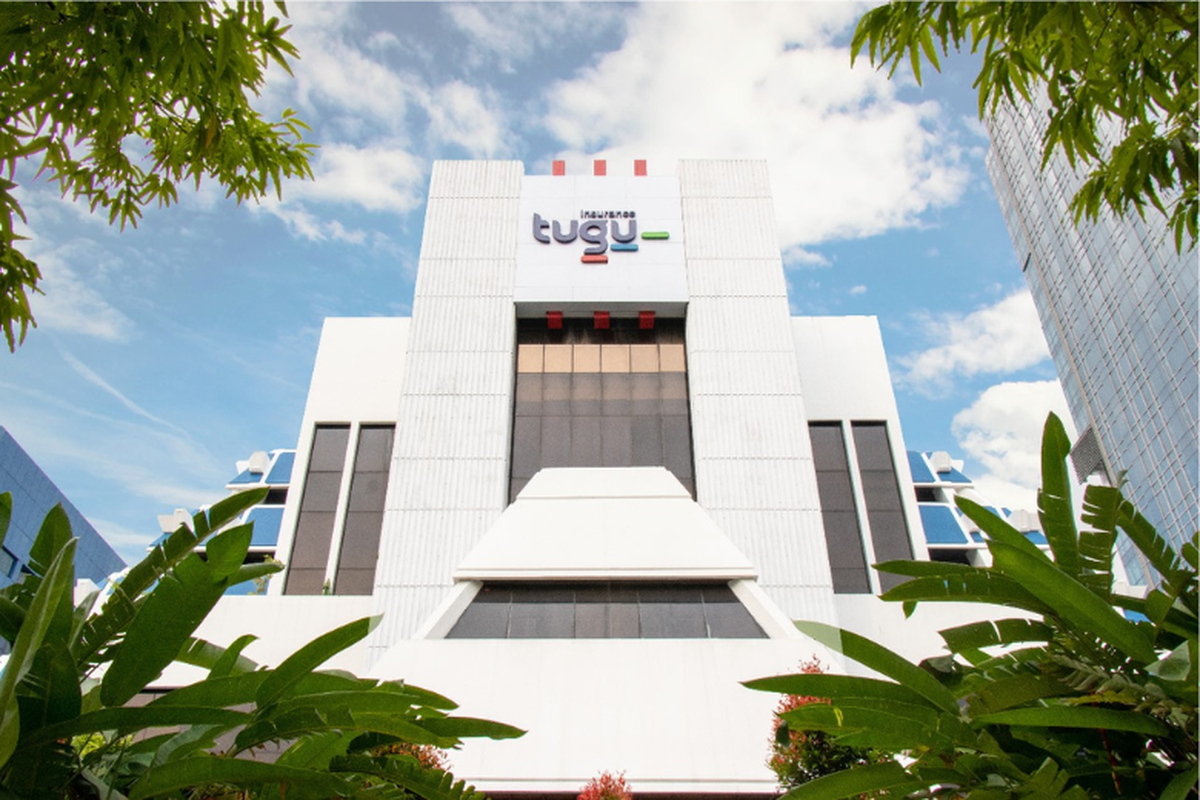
(119, 102)
(1131, 63)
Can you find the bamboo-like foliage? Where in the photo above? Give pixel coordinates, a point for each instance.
(1076, 700)
(65, 728)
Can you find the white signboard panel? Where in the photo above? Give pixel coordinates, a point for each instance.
(598, 243)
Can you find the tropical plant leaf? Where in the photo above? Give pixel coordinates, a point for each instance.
(853, 783)
(200, 653)
(839, 687)
(1072, 602)
(128, 719)
(989, 633)
(431, 784)
(56, 585)
(883, 661)
(169, 616)
(982, 586)
(311, 656)
(5, 514)
(1055, 510)
(1059, 716)
(204, 769)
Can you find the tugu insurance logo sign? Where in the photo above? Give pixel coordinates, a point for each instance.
(599, 231)
(600, 242)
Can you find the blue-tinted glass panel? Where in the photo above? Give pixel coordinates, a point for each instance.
(921, 473)
(246, 476)
(281, 470)
(941, 526)
(266, 521)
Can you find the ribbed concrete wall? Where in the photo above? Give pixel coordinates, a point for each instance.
(449, 478)
(754, 469)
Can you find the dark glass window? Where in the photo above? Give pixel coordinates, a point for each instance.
(364, 514)
(318, 504)
(881, 492)
(843, 540)
(538, 610)
(612, 398)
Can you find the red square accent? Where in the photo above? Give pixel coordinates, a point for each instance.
(554, 320)
(639, 166)
(600, 319)
(646, 320)
(599, 167)
(559, 168)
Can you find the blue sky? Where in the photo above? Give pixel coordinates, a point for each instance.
(164, 354)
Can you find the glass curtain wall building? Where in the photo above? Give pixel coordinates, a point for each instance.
(1118, 306)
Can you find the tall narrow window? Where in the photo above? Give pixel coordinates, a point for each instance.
(318, 510)
(600, 398)
(364, 514)
(885, 510)
(843, 540)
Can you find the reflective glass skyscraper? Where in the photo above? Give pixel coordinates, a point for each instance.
(1118, 306)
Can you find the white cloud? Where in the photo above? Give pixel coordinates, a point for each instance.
(377, 177)
(858, 290)
(511, 33)
(1002, 430)
(460, 114)
(72, 303)
(714, 80)
(996, 339)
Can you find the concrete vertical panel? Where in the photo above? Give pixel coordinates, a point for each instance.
(462, 372)
(731, 373)
(742, 228)
(731, 244)
(449, 480)
(740, 324)
(474, 277)
(724, 178)
(719, 277)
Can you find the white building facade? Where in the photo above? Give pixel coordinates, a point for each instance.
(591, 481)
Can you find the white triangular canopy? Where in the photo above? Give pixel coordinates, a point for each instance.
(604, 523)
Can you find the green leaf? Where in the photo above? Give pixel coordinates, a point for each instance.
(231, 660)
(311, 656)
(883, 661)
(5, 514)
(838, 687)
(460, 727)
(405, 772)
(1182, 785)
(129, 719)
(1072, 602)
(204, 769)
(1079, 717)
(989, 633)
(56, 586)
(163, 624)
(1055, 510)
(852, 783)
(1176, 665)
(200, 653)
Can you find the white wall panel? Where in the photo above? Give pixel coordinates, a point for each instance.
(488, 179)
(735, 278)
(731, 178)
(748, 426)
(441, 324)
(740, 340)
(750, 324)
(474, 277)
(737, 373)
(730, 228)
(468, 228)
(462, 426)
(462, 372)
(449, 477)
(449, 484)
